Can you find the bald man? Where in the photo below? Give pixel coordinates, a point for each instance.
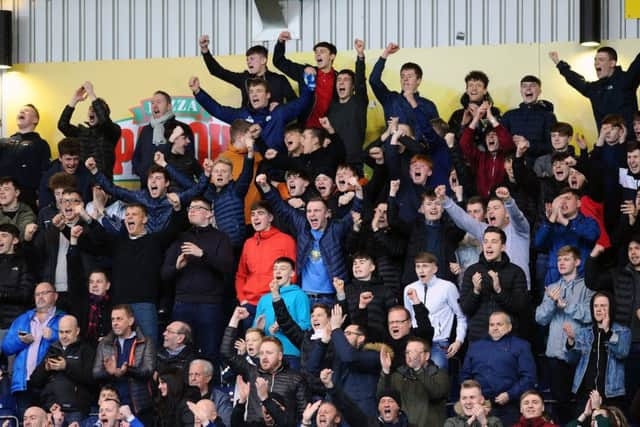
(65, 374)
(205, 413)
(35, 417)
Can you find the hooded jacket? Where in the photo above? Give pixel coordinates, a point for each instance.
(98, 141)
(16, 288)
(617, 348)
(25, 157)
(255, 268)
(533, 121)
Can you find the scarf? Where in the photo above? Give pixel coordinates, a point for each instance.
(96, 303)
(158, 127)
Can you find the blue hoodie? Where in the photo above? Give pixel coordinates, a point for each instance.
(298, 306)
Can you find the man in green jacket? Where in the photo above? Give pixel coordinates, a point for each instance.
(423, 386)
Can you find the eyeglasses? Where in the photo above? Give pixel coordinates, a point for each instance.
(44, 293)
(196, 207)
(349, 333)
(173, 332)
(397, 322)
(70, 201)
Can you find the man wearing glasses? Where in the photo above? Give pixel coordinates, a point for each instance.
(29, 338)
(177, 348)
(197, 263)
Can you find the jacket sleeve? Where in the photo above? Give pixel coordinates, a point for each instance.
(169, 271)
(181, 179)
(223, 407)
(620, 348)
(586, 228)
(40, 375)
(362, 361)
(245, 178)
(519, 221)
(463, 220)
(361, 82)
(226, 114)
(64, 123)
(242, 273)
(280, 416)
(505, 139)
(284, 211)
(393, 214)
(289, 328)
(294, 108)
(116, 191)
(293, 70)
(424, 329)
(575, 80)
(352, 413)
(217, 70)
(546, 310)
(543, 235)
(526, 373)
(524, 177)
(515, 298)
(380, 90)
(99, 372)
(469, 300)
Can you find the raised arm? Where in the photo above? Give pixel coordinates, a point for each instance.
(217, 70)
(293, 70)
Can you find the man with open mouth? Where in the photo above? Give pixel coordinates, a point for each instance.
(615, 90)
(257, 57)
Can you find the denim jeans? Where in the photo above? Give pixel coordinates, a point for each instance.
(207, 324)
(439, 353)
(147, 318)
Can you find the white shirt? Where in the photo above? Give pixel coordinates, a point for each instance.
(441, 299)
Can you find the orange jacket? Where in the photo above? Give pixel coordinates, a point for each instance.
(236, 156)
(255, 269)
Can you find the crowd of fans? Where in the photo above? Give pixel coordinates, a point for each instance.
(485, 273)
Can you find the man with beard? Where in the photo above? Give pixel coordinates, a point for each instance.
(422, 385)
(281, 380)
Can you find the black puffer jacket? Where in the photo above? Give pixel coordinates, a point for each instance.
(72, 388)
(625, 285)
(16, 288)
(138, 373)
(287, 383)
(97, 141)
(513, 298)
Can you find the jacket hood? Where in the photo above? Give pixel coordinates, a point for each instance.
(263, 235)
(541, 104)
(611, 306)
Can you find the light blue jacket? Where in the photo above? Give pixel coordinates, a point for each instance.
(299, 308)
(12, 345)
(617, 351)
(577, 313)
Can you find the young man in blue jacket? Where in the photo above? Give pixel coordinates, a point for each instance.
(272, 121)
(407, 105)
